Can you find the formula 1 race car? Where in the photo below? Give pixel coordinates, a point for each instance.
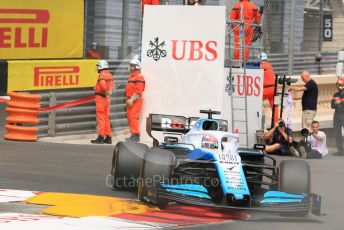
(200, 163)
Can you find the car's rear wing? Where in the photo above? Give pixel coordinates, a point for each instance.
(175, 124)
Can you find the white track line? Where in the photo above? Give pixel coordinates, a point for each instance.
(8, 195)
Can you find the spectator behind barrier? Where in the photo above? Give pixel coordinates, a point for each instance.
(92, 52)
(314, 144)
(280, 140)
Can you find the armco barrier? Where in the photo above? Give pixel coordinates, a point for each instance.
(81, 119)
(22, 109)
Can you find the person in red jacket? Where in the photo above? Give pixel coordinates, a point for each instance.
(93, 53)
(269, 83)
(250, 15)
(133, 91)
(149, 2)
(103, 90)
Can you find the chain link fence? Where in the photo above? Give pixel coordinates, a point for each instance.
(318, 33)
(273, 25)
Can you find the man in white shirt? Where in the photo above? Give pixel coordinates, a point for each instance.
(316, 140)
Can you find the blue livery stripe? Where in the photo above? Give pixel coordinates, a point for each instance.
(189, 193)
(278, 194)
(193, 187)
(280, 200)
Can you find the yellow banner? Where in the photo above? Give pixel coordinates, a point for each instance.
(32, 29)
(51, 74)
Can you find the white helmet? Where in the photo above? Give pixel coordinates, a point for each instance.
(102, 64)
(136, 63)
(263, 56)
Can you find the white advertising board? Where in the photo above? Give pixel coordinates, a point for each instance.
(183, 64)
(252, 108)
(182, 60)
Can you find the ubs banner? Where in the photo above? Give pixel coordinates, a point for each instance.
(183, 59)
(242, 110)
(32, 29)
(53, 74)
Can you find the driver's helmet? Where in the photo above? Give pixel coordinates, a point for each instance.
(177, 124)
(209, 142)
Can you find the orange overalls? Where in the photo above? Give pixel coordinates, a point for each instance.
(93, 54)
(251, 15)
(149, 2)
(135, 84)
(103, 89)
(269, 86)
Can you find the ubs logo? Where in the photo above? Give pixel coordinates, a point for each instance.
(184, 50)
(156, 50)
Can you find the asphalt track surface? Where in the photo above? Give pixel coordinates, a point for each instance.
(83, 169)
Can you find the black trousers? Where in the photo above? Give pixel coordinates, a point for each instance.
(314, 154)
(311, 153)
(338, 123)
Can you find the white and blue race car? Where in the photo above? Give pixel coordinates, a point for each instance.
(201, 163)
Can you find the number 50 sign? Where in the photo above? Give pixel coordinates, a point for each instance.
(328, 28)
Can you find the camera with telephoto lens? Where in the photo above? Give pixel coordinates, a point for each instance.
(281, 124)
(287, 80)
(304, 132)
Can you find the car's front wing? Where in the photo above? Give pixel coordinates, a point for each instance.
(310, 203)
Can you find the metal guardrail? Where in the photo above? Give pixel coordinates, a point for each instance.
(305, 61)
(82, 119)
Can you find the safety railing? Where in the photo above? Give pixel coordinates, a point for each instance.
(305, 60)
(81, 119)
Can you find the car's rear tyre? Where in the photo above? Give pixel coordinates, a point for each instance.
(294, 177)
(156, 167)
(126, 164)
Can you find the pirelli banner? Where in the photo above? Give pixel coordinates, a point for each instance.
(51, 74)
(36, 29)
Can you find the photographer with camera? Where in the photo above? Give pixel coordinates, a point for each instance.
(309, 98)
(314, 144)
(280, 139)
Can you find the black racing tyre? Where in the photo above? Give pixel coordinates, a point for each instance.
(294, 177)
(126, 164)
(156, 167)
